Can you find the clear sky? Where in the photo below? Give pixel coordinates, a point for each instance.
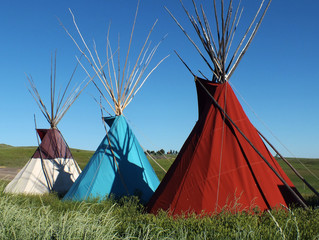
(278, 77)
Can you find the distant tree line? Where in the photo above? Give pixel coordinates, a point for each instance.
(172, 152)
(161, 152)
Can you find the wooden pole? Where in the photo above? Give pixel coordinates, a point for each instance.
(113, 154)
(288, 163)
(45, 172)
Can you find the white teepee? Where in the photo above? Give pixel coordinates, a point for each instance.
(52, 167)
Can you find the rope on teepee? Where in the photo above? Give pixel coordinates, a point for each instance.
(221, 150)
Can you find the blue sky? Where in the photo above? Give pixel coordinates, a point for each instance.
(278, 77)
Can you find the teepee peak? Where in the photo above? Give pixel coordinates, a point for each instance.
(59, 104)
(218, 46)
(118, 84)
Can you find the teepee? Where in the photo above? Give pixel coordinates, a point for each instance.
(119, 166)
(224, 164)
(52, 167)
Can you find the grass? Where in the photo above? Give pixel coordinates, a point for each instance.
(18, 156)
(4, 145)
(15, 156)
(46, 219)
(312, 164)
(164, 161)
(50, 218)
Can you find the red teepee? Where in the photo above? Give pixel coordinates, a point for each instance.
(217, 168)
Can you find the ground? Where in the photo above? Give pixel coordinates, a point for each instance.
(8, 173)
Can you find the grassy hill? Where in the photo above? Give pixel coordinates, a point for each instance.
(4, 145)
(15, 156)
(18, 156)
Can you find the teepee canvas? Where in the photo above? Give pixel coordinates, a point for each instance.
(52, 167)
(119, 166)
(224, 164)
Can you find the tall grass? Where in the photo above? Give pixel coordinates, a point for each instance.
(22, 218)
(46, 217)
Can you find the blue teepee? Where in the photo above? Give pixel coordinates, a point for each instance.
(118, 167)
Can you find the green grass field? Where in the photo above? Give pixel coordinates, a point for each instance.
(311, 177)
(18, 157)
(48, 217)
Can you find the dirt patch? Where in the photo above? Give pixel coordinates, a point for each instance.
(7, 173)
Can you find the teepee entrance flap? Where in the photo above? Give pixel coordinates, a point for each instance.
(109, 120)
(41, 133)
